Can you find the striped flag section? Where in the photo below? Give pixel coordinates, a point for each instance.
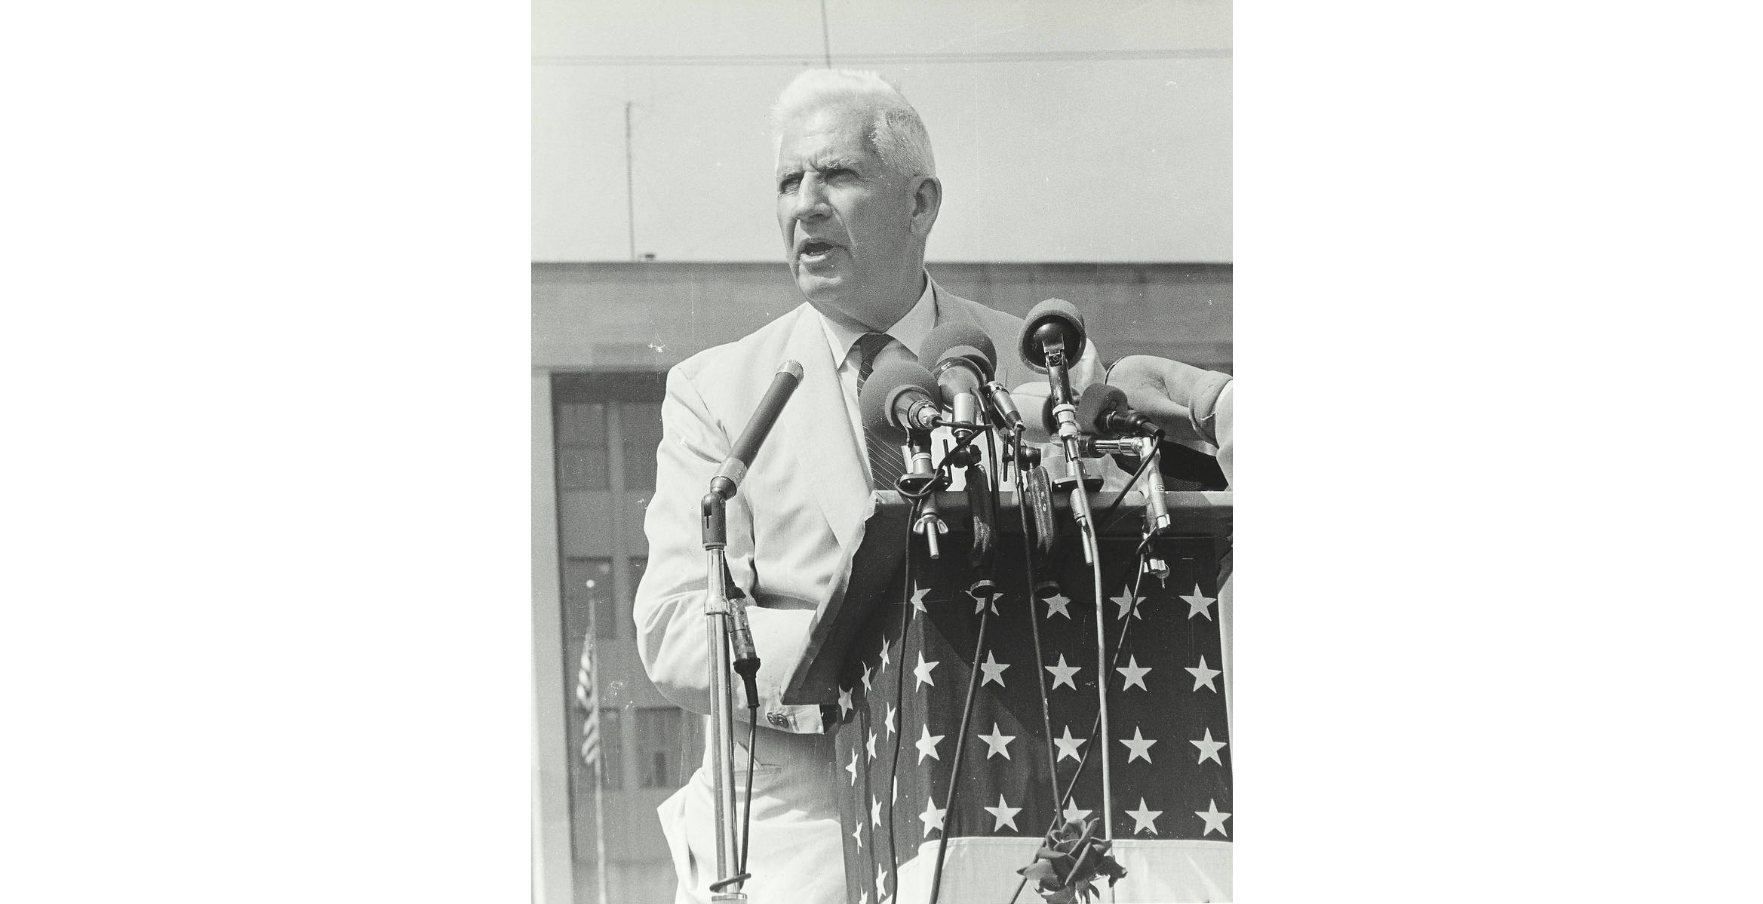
(585, 697)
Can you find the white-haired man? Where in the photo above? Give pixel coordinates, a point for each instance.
(857, 195)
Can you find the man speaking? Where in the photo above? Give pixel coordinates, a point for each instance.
(857, 195)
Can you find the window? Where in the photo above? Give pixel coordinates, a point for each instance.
(587, 583)
(661, 748)
(640, 423)
(611, 748)
(582, 460)
(638, 564)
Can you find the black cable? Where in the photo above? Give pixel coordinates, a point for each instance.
(948, 466)
(1096, 727)
(936, 881)
(1028, 561)
(900, 697)
(1144, 466)
(752, 759)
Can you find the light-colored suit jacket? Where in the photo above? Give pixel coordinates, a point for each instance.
(793, 529)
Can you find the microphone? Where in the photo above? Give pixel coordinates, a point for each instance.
(728, 477)
(1052, 335)
(900, 396)
(1052, 338)
(1105, 408)
(965, 345)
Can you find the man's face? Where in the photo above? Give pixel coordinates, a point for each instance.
(847, 220)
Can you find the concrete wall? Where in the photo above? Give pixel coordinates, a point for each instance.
(647, 317)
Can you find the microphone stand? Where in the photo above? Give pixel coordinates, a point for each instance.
(1066, 412)
(718, 624)
(923, 482)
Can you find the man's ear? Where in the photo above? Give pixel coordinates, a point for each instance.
(927, 199)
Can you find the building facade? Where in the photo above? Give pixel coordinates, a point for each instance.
(604, 335)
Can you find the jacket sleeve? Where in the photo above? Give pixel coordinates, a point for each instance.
(669, 610)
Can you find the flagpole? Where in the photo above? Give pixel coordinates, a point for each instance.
(601, 866)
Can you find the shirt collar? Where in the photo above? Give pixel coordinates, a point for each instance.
(909, 331)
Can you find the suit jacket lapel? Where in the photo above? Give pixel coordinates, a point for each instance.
(818, 431)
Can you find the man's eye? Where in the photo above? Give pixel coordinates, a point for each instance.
(788, 184)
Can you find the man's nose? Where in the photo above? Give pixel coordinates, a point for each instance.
(811, 201)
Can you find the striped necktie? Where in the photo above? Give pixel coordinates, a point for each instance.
(885, 461)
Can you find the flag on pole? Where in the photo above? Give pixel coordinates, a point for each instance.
(587, 681)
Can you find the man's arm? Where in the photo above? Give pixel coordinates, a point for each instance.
(669, 607)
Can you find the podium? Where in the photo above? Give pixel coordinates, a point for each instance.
(894, 657)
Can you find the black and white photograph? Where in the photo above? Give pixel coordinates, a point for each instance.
(922, 311)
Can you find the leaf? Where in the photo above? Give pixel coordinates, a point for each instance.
(1040, 871)
(1062, 863)
(1060, 896)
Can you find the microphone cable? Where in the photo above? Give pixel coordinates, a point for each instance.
(1034, 623)
(900, 695)
(936, 886)
(741, 875)
(1096, 726)
(752, 759)
(1144, 468)
(947, 467)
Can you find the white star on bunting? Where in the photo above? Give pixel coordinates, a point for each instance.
(1062, 673)
(871, 746)
(994, 670)
(918, 597)
(1144, 818)
(932, 816)
(1004, 814)
(881, 877)
(875, 811)
(1073, 813)
(1128, 603)
(1209, 749)
(1203, 676)
(1199, 603)
(927, 744)
(853, 767)
(1214, 819)
(980, 601)
(884, 657)
(857, 832)
(1140, 747)
(997, 742)
(1068, 747)
(888, 725)
(1056, 605)
(1134, 674)
(922, 672)
(866, 687)
(845, 706)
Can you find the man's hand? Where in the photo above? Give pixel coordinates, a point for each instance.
(1161, 390)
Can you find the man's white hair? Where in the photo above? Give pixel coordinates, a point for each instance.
(895, 130)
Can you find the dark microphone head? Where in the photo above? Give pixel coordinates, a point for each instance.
(1099, 401)
(964, 339)
(1052, 320)
(961, 369)
(885, 385)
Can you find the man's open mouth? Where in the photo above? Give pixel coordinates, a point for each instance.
(816, 248)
